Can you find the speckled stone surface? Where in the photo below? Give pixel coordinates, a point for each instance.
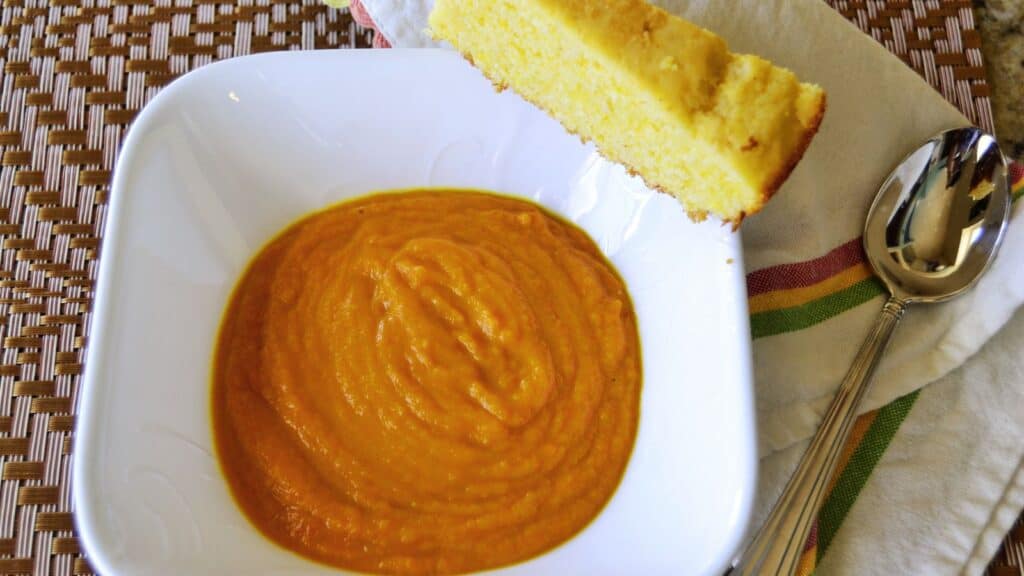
(1001, 23)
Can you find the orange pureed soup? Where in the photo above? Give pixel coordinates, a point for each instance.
(426, 382)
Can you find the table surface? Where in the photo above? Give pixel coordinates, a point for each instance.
(1001, 23)
(76, 72)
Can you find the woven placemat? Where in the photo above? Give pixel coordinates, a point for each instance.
(938, 39)
(74, 75)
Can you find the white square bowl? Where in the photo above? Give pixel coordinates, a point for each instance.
(227, 156)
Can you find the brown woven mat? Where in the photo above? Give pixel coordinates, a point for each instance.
(1009, 561)
(74, 74)
(935, 37)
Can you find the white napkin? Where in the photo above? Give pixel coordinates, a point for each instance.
(936, 503)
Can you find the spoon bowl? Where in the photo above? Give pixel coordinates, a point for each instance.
(937, 220)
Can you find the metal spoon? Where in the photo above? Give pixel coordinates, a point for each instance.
(932, 231)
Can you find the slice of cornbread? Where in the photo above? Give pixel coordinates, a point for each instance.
(720, 131)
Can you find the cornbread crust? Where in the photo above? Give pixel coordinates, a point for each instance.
(796, 156)
(783, 174)
(713, 172)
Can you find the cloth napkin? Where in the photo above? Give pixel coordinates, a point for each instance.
(932, 478)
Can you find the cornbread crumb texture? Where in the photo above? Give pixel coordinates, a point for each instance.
(720, 131)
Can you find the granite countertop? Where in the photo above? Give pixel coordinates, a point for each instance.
(1001, 23)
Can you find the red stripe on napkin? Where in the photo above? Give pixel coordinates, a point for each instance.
(362, 18)
(802, 274)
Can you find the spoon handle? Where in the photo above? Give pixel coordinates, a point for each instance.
(779, 545)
